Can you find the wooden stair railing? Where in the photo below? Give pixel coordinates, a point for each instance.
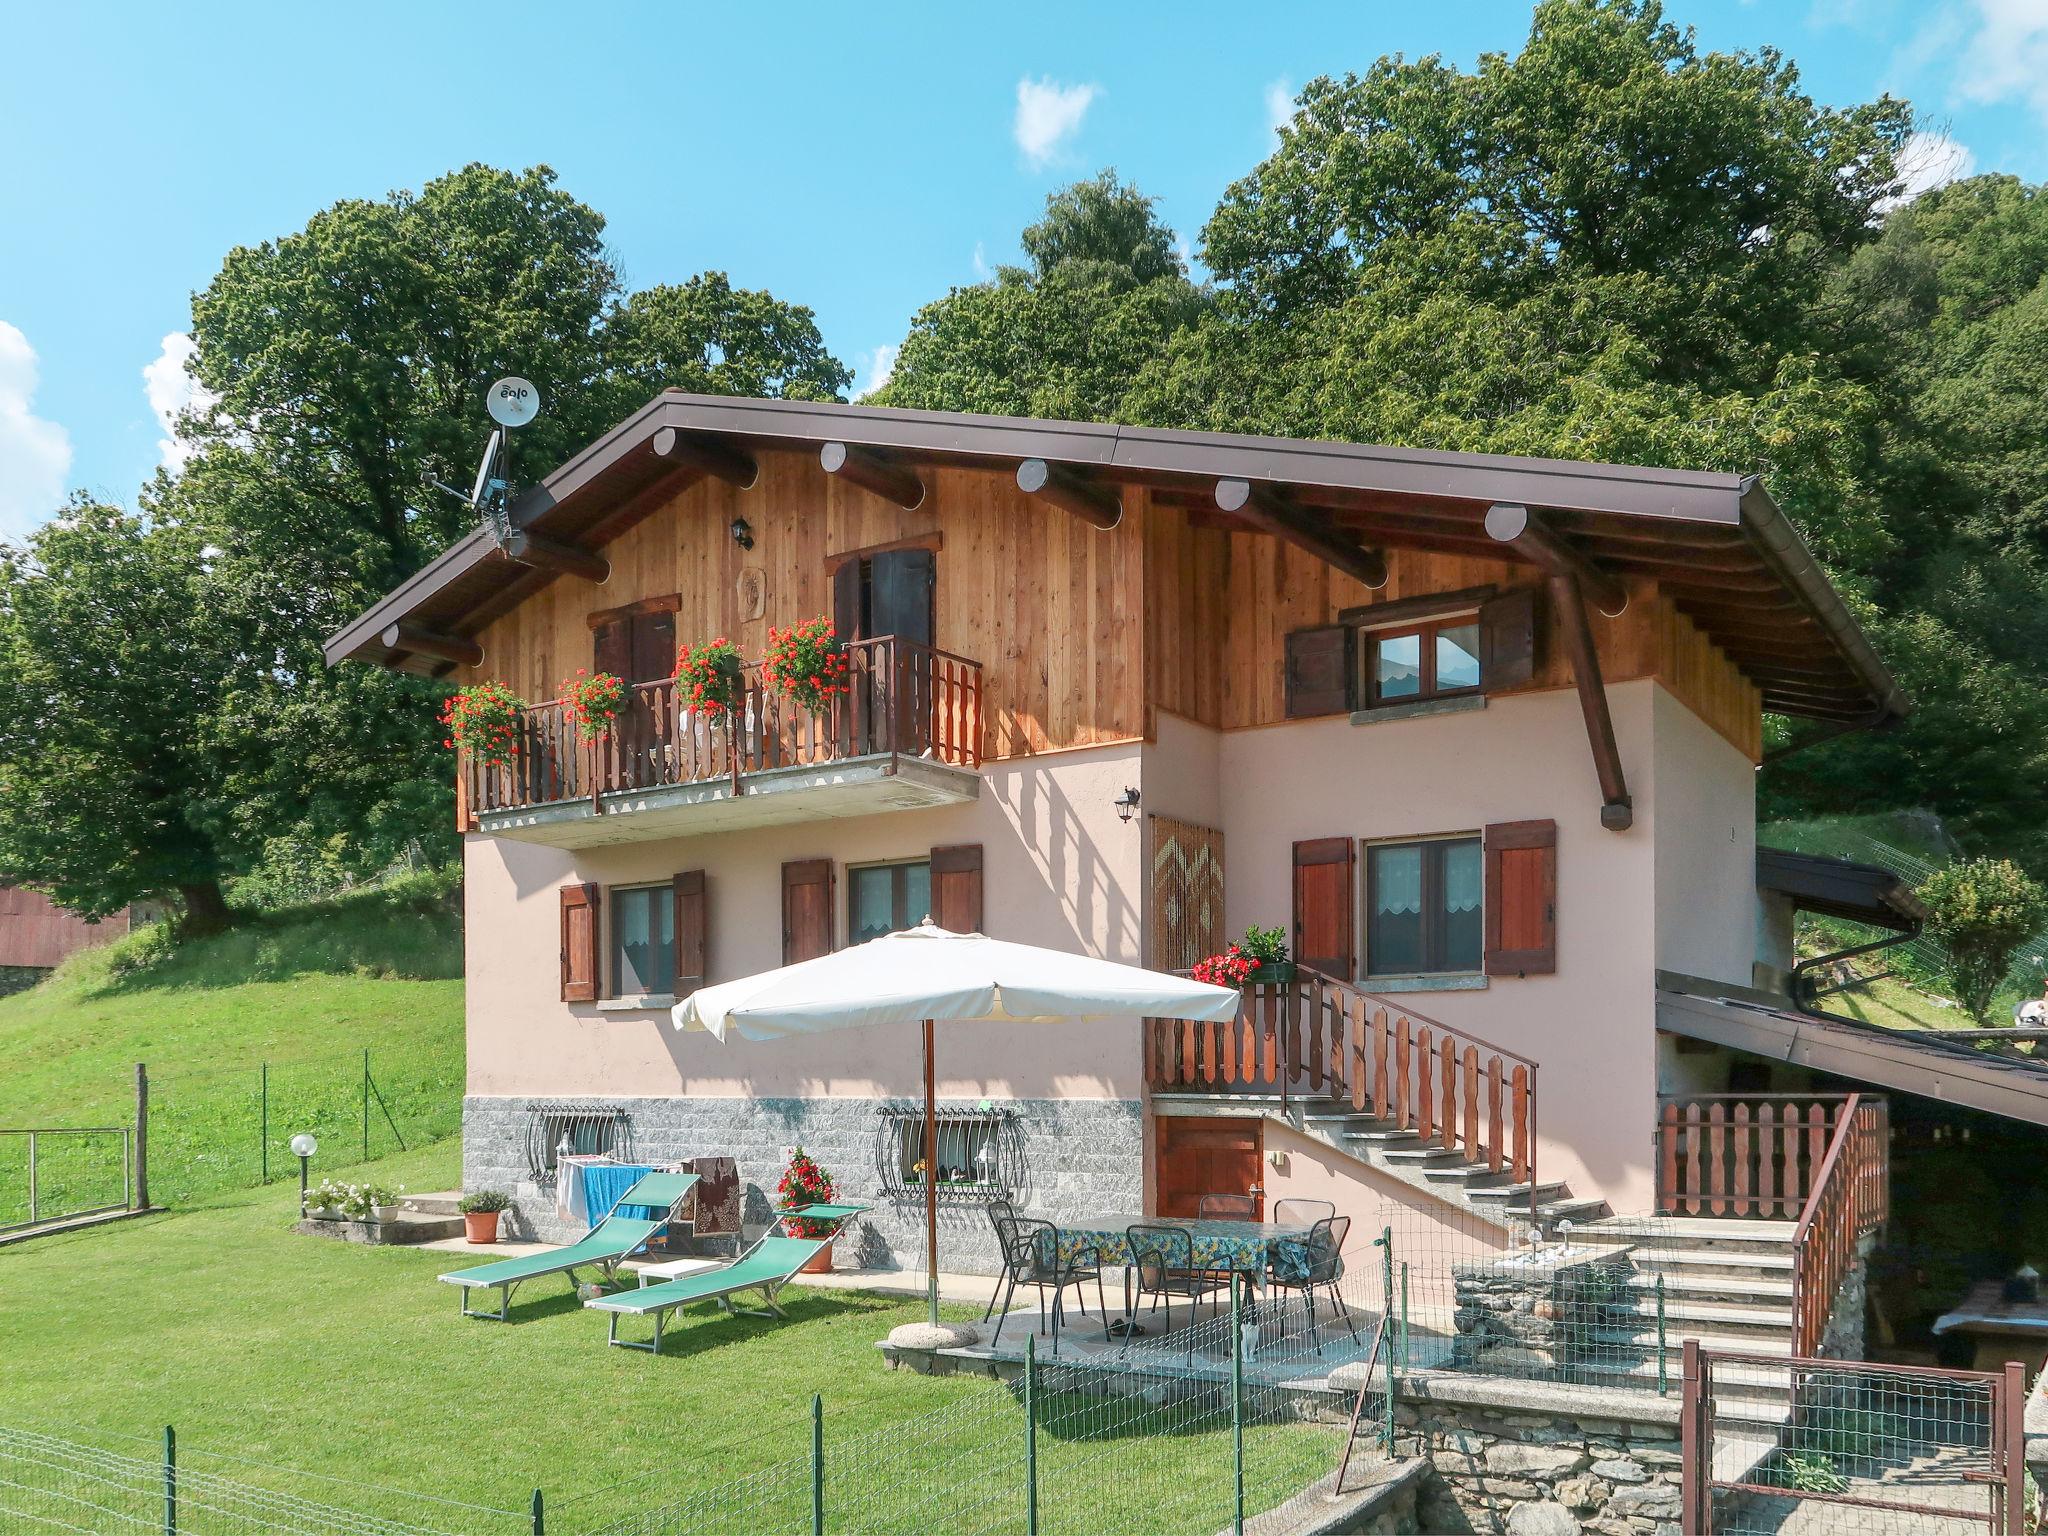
(1316, 1036)
(1851, 1196)
(1753, 1154)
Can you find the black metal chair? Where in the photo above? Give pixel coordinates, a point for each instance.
(1318, 1260)
(1227, 1208)
(999, 1211)
(1163, 1263)
(1301, 1213)
(1031, 1256)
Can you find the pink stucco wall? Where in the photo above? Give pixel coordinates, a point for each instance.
(1060, 869)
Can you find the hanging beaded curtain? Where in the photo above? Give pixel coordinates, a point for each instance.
(1187, 893)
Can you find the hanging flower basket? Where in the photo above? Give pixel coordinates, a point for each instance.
(708, 677)
(483, 721)
(807, 663)
(593, 701)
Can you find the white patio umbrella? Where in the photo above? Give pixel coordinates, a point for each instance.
(927, 974)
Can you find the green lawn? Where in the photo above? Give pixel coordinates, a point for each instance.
(306, 990)
(305, 1353)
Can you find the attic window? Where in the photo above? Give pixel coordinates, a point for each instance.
(1423, 661)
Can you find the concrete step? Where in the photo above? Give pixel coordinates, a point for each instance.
(410, 1228)
(1422, 1155)
(1723, 1235)
(1710, 1338)
(1383, 1136)
(1715, 1314)
(1711, 1263)
(1512, 1193)
(1741, 1290)
(440, 1202)
(1468, 1174)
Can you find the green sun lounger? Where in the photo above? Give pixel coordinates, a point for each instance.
(766, 1267)
(612, 1240)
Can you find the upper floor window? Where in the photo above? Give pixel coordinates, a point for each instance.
(1423, 907)
(886, 898)
(1425, 661)
(643, 941)
(1450, 645)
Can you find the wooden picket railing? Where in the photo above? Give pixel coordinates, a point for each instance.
(903, 699)
(1316, 1037)
(1756, 1154)
(1851, 1196)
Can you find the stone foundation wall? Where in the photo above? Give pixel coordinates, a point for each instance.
(1842, 1336)
(1078, 1155)
(19, 978)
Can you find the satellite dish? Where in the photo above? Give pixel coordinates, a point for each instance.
(513, 402)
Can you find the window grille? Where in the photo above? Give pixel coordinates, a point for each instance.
(584, 1130)
(980, 1154)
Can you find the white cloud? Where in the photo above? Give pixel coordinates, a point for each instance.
(171, 391)
(1048, 116)
(1279, 104)
(877, 365)
(981, 267)
(1930, 159)
(35, 455)
(2005, 54)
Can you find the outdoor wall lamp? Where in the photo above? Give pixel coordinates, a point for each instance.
(1126, 805)
(742, 533)
(303, 1147)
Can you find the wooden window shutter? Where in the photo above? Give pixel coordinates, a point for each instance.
(1319, 663)
(902, 583)
(580, 909)
(1325, 884)
(652, 653)
(956, 887)
(1521, 898)
(611, 647)
(692, 931)
(846, 600)
(1507, 640)
(806, 910)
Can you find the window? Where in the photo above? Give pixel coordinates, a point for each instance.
(886, 898)
(1427, 661)
(643, 941)
(1423, 908)
(980, 1154)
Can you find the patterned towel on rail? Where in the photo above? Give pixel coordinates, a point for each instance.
(719, 1195)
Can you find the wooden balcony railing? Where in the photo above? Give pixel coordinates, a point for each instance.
(1851, 1196)
(1317, 1037)
(1756, 1154)
(904, 700)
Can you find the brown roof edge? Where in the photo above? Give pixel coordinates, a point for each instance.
(1781, 547)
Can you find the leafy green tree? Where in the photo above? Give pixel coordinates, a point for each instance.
(1982, 911)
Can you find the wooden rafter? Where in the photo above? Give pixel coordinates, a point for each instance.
(871, 472)
(1271, 513)
(1617, 812)
(550, 555)
(1092, 503)
(1524, 532)
(707, 455)
(422, 641)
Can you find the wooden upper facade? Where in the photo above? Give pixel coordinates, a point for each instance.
(1099, 575)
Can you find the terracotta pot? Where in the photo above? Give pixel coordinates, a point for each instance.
(820, 1263)
(481, 1226)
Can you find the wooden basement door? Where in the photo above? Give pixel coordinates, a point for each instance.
(1197, 1155)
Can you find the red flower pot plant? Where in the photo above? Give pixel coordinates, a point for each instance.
(709, 677)
(805, 1183)
(807, 664)
(482, 721)
(592, 701)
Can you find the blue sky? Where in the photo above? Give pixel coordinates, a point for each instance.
(857, 159)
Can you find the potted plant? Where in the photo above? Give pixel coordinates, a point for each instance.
(1232, 968)
(592, 700)
(1268, 948)
(375, 1202)
(325, 1200)
(708, 677)
(483, 721)
(805, 1183)
(480, 1210)
(807, 663)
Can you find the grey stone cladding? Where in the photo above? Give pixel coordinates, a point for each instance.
(1080, 1157)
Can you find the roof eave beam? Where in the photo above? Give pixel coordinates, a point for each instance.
(1524, 532)
(873, 473)
(1094, 504)
(419, 640)
(1617, 811)
(1270, 512)
(551, 555)
(706, 455)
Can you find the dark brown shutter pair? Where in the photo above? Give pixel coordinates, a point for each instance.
(582, 933)
(1521, 901)
(1322, 663)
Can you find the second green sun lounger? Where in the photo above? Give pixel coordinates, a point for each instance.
(611, 1241)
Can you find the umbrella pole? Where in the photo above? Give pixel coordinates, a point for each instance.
(931, 1180)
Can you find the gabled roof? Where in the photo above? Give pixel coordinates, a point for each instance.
(1861, 893)
(1714, 542)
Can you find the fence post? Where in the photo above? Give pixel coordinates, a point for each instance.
(1663, 1361)
(2015, 1437)
(1237, 1400)
(540, 1516)
(1387, 1311)
(141, 1137)
(366, 1103)
(170, 1481)
(817, 1464)
(33, 1203)
(1031, 1434)
(1697, 1484)
(264, 1119)
(1404, 1315)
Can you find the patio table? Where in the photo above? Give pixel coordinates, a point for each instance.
(1245, 1247)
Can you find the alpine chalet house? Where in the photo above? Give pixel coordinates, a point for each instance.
(1480, 733)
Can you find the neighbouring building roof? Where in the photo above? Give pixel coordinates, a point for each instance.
(1905, 1061)
(1715, 543)
(1862, 893)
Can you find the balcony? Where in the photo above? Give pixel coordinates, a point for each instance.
(906, 736)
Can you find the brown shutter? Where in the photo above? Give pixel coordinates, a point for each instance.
(1319, 671)
(692, 931)
(956, 887)
(652, 656)
(1324, 925)
(902, 583)
(806, 910)
(846, 600)
(611, 647)
(580, 906)
(1521, 898)
(1507, 640)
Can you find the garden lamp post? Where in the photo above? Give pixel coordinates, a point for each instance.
(303, 1147)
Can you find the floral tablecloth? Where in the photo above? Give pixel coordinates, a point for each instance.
(1244, 1246)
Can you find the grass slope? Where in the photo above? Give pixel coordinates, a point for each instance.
(310, 1354)
(306, 989)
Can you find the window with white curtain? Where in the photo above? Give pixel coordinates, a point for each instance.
(1424, 907)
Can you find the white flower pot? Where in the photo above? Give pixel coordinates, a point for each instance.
(383, 1213)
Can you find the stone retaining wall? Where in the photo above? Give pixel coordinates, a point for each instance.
(1078, 1155)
